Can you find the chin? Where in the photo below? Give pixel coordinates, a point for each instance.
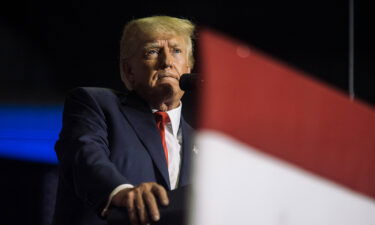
(170, 91)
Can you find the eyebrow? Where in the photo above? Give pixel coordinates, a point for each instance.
(156, 45)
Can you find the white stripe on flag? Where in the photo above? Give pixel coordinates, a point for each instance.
(236, 184)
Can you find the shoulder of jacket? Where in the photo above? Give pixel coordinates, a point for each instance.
(95, 92)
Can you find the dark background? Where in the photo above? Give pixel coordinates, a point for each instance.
(49, 47)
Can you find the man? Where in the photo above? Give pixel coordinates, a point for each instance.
(112, 149)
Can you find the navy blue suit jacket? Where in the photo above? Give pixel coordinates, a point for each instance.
(108, 138)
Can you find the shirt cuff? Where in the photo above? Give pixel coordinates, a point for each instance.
(113, 193)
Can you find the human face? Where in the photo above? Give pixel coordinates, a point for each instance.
(156, 67)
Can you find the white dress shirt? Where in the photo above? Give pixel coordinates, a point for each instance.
(173, 138)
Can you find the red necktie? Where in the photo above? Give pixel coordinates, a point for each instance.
(162, 119)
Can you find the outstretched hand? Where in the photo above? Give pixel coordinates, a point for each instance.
(141, 202)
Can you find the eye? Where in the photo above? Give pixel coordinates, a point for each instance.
(152, 52)
(177, 50)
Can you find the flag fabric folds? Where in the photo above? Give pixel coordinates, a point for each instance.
(276, 146)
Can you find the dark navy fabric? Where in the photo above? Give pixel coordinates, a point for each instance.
(108, 138)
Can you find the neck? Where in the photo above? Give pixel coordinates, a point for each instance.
(162, 104)
(165, 105)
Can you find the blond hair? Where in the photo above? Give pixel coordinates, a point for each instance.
(151, 27)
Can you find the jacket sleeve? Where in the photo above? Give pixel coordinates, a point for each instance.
(83, 150)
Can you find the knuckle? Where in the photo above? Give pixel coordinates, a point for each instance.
(130, 193)
(129, 203)
(146, 195)
(156, 185)
(139, 208)
(131, 211)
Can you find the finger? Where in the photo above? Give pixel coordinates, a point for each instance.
(129, 204)
(141, 210)
(160, 192)
(152, 205)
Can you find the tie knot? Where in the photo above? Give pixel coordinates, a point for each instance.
(161, 117)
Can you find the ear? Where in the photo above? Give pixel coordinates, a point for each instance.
(127, 74)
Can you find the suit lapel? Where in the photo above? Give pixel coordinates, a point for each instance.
(140, 117)
(187, 143)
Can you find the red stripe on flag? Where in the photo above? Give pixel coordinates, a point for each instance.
(283, 112)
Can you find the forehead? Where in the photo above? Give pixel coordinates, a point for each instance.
(161, 40)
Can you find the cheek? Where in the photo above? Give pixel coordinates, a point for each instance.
(183, 64)
(145, 69)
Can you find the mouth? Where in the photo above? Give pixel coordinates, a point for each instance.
(166, 76)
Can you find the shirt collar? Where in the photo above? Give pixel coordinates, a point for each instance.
(175, 117)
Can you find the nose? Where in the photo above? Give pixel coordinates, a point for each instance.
(166, 60)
